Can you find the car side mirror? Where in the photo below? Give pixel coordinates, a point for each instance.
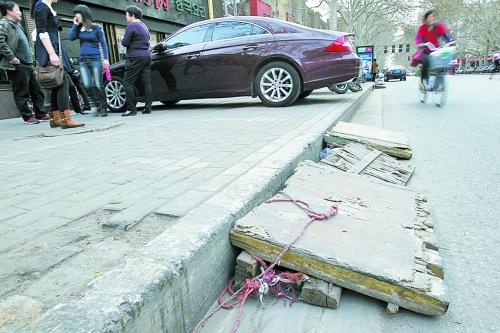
(160, 47)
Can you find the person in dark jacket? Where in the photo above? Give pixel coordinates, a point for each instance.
(16, 58)
(47, 49)
(138, 63)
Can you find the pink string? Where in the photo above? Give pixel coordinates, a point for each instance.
(267, 276)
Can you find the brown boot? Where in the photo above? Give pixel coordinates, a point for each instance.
(67, 122)
(55, 119)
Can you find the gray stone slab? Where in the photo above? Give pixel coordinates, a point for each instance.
(377, 217)
(50, 260)
(130, 216)
(20, 235)
(11, 212)
(182, 204)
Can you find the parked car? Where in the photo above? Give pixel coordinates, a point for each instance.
(395, 72)
(277, 61)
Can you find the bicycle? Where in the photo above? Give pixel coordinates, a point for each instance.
(439, 61)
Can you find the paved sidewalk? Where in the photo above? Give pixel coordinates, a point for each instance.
(122, 225)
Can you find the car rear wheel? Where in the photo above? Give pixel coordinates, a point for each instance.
(340, 88)
(278, 84)
(305, 94)
(115, 94)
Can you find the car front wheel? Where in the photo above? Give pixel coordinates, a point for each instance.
(278, 84)
(115, 94)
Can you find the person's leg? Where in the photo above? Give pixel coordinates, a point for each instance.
(20, 88)
(83, 93)
(425, 67)
(86, 73)
(97, 75)
(60, 101)
(133, 67)
(73, 96)
(37, 97)
(146, 82)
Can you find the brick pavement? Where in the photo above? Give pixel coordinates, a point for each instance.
(122, 223)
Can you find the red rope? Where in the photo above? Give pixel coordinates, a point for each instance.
(254, 284)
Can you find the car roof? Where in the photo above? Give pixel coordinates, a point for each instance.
(275, 26)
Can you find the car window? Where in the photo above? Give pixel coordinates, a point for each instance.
(226, 30)
(191, 36)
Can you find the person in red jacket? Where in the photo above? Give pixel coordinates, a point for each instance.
(430, 32)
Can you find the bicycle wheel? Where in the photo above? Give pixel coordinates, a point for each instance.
(422, 92)
(439, 91)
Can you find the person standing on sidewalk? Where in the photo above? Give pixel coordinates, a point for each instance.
(374, 69)
(93, 55)
(138, 62)
(47, 50)
(15, 57)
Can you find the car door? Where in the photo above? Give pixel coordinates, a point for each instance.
(178, 70)
(231, 56)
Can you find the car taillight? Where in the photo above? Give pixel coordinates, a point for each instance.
(404, 70)
(340, 45)
(389, 72)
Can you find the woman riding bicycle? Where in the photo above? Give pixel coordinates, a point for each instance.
(430, 32)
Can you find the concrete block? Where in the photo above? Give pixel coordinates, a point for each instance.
(392, 308)
(321, 293)
(251, 266)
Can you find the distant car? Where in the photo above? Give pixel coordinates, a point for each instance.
(395, 72)
(277, 61)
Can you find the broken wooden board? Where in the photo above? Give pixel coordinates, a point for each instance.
(372, 246)
(392, 143)
(359, 159)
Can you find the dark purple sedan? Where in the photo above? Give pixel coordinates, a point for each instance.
(275, 60)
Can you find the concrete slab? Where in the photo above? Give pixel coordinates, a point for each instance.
(393, 143)
(377, 218)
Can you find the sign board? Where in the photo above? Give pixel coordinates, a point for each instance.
(366, 55)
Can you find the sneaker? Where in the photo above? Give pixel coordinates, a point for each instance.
(44, 118)
(32, 120)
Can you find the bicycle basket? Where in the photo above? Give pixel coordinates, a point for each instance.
(440, 59)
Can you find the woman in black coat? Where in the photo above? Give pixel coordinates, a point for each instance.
(47, 50)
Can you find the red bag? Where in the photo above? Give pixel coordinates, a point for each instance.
(415, 59)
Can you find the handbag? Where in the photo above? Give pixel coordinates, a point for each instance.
(50, 76)
(415, 59)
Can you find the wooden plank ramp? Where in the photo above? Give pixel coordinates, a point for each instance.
(359, 159)
(392, 143)
(380, 243)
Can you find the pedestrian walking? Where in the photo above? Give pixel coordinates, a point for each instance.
(138, 61)
(374, 69)
(93, 55)
(47, 50)
(16, 58)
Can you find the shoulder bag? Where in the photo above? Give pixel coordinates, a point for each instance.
(51, 76)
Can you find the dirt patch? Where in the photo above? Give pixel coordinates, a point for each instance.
(58, 266)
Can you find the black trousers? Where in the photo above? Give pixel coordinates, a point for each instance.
(425, 66)
(24, 87)
(135, 67)
(75, 87)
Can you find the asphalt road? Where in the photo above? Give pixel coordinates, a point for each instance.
(455, 150)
